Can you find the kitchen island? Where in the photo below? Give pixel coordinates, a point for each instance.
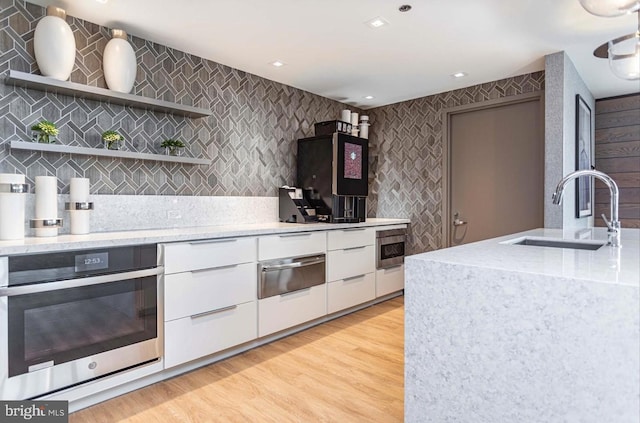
(499, 332)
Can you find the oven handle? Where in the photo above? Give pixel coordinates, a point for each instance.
(75, 283)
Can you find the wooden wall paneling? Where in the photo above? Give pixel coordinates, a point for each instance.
(617, 153)
(622, 133)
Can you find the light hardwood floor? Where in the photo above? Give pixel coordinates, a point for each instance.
(347, 370)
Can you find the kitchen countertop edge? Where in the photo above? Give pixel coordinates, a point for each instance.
(30, 245)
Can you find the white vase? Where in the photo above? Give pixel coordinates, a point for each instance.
(119, 62)
(54, 45)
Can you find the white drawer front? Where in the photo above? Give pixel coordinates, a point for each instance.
(185, 256)
(291, 245)
(189, 293)
(189, 339)
(342, 264)
(348, 238)
(389, 280)
(350, 292)
(284, 311)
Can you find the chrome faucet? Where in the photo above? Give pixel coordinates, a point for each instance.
(613, 225)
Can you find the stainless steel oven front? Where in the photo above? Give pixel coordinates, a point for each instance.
(390, 248)
(73, 316)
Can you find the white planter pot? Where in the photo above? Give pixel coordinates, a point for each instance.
(119, 63)
(54, 45)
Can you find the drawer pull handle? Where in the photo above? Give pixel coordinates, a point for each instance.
(296, 235)
(355, 248)
(298, 263)
(214, 268)
(354, 277)
(395, 266)
(213, 241)
(219, 310)
(295, 292)
(354, 229)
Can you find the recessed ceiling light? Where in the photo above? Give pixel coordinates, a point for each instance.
(369, 97)
(459, 74)
(377, 22)
(102, 1)
(405, 8)
(277, 63)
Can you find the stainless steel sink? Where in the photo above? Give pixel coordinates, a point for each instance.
(557, 243)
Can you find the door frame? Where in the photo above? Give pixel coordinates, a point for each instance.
(447, 113)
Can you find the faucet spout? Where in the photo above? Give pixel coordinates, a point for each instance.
(613, 225)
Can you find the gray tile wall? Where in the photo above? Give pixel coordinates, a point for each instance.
(250, 137)
(407, 141)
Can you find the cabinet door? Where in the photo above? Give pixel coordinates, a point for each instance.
(356, 261)
(348, 238)
(191, 338)
(287, 310)
(389, 280)
(350, 292)
(291, 245)
(206, 254)
(198, 291)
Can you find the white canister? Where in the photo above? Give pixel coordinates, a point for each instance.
(54, 45)
(11, 208)
(119, 63)
(79, 193)
(364, 126)
(46, 203)
(345, 116)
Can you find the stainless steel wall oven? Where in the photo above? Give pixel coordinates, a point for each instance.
(69, 317)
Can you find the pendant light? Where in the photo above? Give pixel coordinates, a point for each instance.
(623, 54)
(610, 8)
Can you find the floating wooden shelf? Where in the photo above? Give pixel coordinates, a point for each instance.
(42, 83)
(85, 151)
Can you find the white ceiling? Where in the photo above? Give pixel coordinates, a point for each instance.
(329, 50)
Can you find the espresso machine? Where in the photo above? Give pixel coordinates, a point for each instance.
(332, 172)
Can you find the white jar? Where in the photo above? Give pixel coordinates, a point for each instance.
(54, 45)
(119, 63)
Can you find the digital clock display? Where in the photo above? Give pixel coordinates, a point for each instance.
(88, 262)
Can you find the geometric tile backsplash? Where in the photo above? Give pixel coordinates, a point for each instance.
(408, 141)
(250, 136)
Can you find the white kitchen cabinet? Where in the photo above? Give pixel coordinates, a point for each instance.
(196, 336)
(354, 261)
(206, 254)
(389, 280)
(350, 268)
(350, 292)
(287, 310)
(198, 291)
(210, 297)
(291, 245)
(349, 238)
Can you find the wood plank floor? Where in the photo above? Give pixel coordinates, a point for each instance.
(347, 370)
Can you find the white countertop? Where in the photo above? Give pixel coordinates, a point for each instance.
(111, 239)
(607, 264)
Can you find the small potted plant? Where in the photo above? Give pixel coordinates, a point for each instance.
(112, 140)
(172, 147)
(44, 132)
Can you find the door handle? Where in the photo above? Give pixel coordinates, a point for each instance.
(457, 221)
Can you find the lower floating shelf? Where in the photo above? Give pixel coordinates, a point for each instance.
(85, 151)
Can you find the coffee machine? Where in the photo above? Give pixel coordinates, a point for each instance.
(333, 172)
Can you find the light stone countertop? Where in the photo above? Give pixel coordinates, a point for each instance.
(512, 333)
(30, 245)
(607, 264)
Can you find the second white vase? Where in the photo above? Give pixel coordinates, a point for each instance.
(54, 45)
(119, 62)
